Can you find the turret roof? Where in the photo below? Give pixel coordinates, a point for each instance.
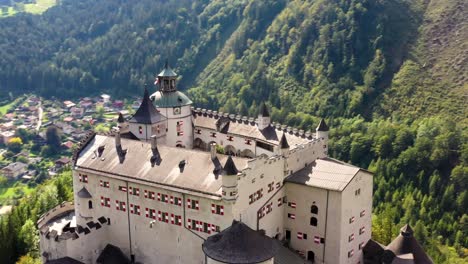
(147, 113)
(230, 167)
(284, 142)
(264, 110)
(239, 244)
(167, 71)
(84, 193)
(405, 243)
(322, 126)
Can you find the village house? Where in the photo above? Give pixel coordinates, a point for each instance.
(14, 170)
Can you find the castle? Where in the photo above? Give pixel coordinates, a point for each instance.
(175, 184)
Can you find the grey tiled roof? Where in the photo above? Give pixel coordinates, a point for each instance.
(239, 244)
(405, 243)
(322, 126)
(147, 113)
(325, 173)
(197, 174)
(83, 193)
(230, 167)
(112, 255)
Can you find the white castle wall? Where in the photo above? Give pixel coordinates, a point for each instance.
(172, 139)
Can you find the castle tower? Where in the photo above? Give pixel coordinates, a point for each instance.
(147, 121)
(176, 107)
(244, 245)
(263, 117)
(230, 180)
(283, 145)
(322, 134)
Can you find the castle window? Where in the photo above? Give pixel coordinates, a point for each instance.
(180, 131)
(83, 178)
(120, 206)
(149, 195)
(176, 201)
(206, 227)
(269, 207)
(177, 220)
(362, 230)
(248, 142)
(105, 201)
(324, 146)
(90, 204)
(271, 187)
(123, 188)
(251, 199)
(301, 235)
(351, 238)
(351, 220)
(198, 131)
(163, 216)
(230, 138)
(350, 253)
(213, 134)
(357, 192)
(193, 204)
(217, 209)
(313, 221)
(134, 191)
(291, 216)
(278, 185)
(140, 130)
(104, 184)
(135, 209)
(314, 209)
(163, 198)
(150, 213)
(280, 201)
(292, 205)
(259, 194)
(361, 245)
(363, 213)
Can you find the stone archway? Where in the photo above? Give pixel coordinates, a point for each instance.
(230, 150)
(199, 144)
(247, 153)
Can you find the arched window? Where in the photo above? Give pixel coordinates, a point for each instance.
(313, 221)
(314, 209)
(90, 204)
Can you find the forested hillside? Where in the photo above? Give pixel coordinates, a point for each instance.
(389, 76)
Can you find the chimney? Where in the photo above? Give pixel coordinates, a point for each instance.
(154, 142)
(117, 139)
(213, 150)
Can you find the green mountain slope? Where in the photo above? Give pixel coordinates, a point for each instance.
(389, 76)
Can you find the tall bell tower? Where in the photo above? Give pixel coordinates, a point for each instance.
(176, 107)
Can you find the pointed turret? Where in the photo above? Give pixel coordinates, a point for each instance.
(284, 142)
(146, 113)
(322, 126)
(230, 167)
(264, 110)
(229, 187)
(263, 117)
(406, 244)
